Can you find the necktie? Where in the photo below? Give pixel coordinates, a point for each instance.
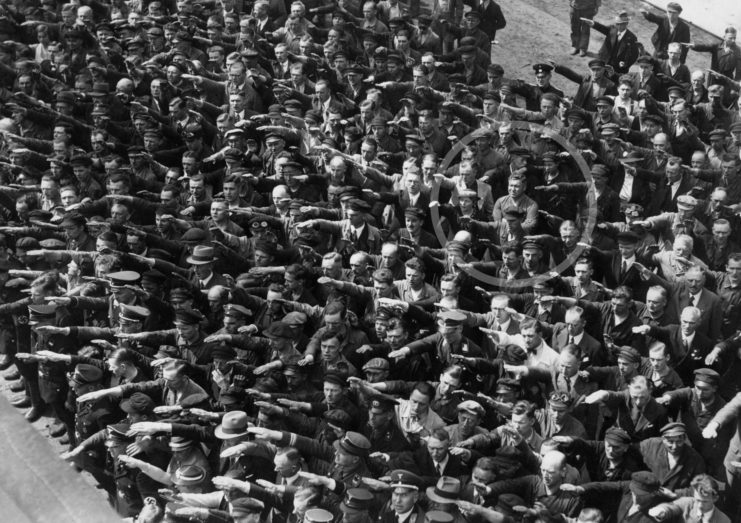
(439, 468)
(693, 301)
(624, 268)
(571, 340)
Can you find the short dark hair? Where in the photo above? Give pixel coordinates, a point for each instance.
(425, 388)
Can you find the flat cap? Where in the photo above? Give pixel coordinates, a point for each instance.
(188, 317)
(278, 329)
(685, 202)
(629, 354)
(138, 403)
(644, 482)
(616, 435)
(353, 443)
(708, 376)
(376, 364)
(85, 373)
(471, 407)
(674, 429)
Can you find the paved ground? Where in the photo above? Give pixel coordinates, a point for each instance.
(538, 30)
(42, 426)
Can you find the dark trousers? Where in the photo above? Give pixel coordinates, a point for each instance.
(580, 30)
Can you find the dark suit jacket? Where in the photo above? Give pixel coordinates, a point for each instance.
(620, 55)
(420, 462)
(684, 361)
(689, 464)
(216, 279)
(492, 18)
(662, 199)
(591, 349)
(585, 95)
(711, 319)
(649, 423)
(663, 35)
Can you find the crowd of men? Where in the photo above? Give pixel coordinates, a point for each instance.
(301, 261)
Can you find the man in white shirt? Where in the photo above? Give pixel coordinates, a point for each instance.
(530, 339)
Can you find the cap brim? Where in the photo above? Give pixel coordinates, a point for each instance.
(191, 261)
(430, 492)
(219, 433)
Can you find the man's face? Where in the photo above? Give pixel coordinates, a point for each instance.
(733, 269)
(119, 214)
(378, 418)
(219, 212)
(626, 368)
(695, 281)
(68, 198)
(620, 305)
(197, 188)
(658, 361)
(403, 499)
(552, 474)
(396, 338)
(557, 414)
(515, 188)
(332, 393)
(673, 444)
(343, 460)
(389, 256)
(548, 108)
(542, 79)
(448, 384)
(705, 391)
(721, 233)
(284, 466)
(583, 273)
(655, 303)
(73, 232)
(467, 423)
(639, 395)
(522, 423)
(414, 277)
(627, 250)
(437, 449)
(330, 349)
(531, 337)
(448, 289)
(615, 451)
(604, 110)
(419, 403)
(532, 258)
